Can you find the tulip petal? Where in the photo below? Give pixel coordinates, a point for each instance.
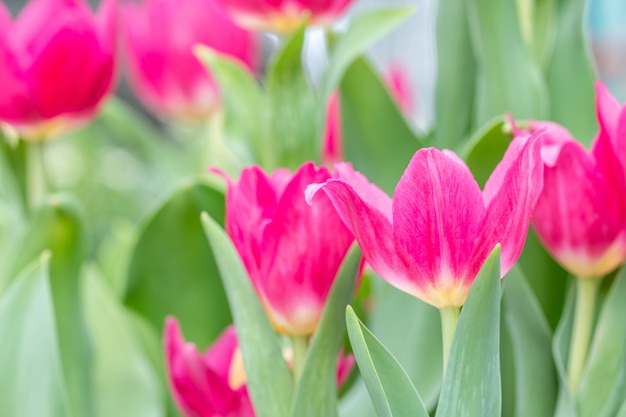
(607, 108)
(5, 21)
(578, 215)
(513, 189)
(437, 213)
(220, 355)
(372, 228)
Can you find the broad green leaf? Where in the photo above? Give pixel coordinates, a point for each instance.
(390, 388)
(471, 385)
(58, 226)
(535, 375)
(566, 407)
(538, 26)
(364, 30)
(456, 75)
(570, 65)
(31, 378)
(484, 150)
(262, 357)
(379, 143)
(508, 78)
(125, 382)
(600, 391)
(622, 410)
(316, 391)
(243, 98)
(173, 270)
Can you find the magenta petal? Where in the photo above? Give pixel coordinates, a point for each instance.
(579, 216)
(437, 214)
(607, 109)
(5, 21)
(220, 355)
(372, 229)
(514, 187)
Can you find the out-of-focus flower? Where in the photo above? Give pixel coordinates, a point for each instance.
(214, 383)
(57, 63)
(283, 16)
(159, 36)
(433, 238)
(581, 214)
(209, 384)
(332, 142)
(292, 251)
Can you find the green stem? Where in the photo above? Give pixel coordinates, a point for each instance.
(36, 181)
(299, 345)
(586, 295)
(449, 319)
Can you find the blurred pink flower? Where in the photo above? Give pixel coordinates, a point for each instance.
(581, 214)
(433, 237)
(57, 63)
(332, 143)
(214, 383)
(292, 251)
(159, 36)
(283, 15)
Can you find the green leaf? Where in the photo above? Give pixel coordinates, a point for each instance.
(600, 390)
(390, 388)
(538, 26)
(364, 30)
(485, 149)
(566, 407)
(570, 66)
(243, 98)
(508, 78)
(262, 357)
(622, 410)
(125, 383)
(173, 270)
(456, 75)
(316, 392)
(471, 385)
(58, 226)
(535, 375)
(30, 370)
(114, 254)
(379, 143)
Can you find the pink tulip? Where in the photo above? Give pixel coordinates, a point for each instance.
(159, 36)
(581, 214)
(292, 251)
(433, 237)
(209, 384)
(283, 15)
(332, 144)
(214, 383)
(57, 63)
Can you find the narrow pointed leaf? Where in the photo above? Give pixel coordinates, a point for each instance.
(471, 386)
(390, 388)
(316, 392)
(31, 378)
(368, 135)
(535, 375)
(600, 393)
(173, 270)
(58, 226)
(263, 360)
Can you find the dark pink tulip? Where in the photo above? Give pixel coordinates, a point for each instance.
(210, 384)
(159, 36)
(57, 63)
(283, 15)
(292, 251)
(581, 214)
(432, 238)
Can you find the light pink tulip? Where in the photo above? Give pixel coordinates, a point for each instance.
(292, 251)
(214, 383)
(581, 214)
(159, 36)
(57, 63)
(210, 384)
(433, 237)
(283, 15)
